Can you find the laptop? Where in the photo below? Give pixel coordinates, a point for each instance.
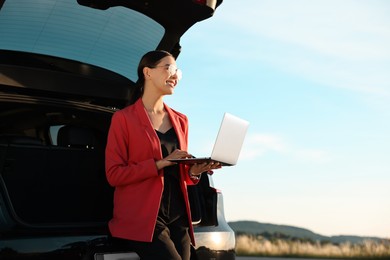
(227, 146)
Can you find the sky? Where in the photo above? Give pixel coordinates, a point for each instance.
(313, 80)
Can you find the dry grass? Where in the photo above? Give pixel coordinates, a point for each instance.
(250, 245)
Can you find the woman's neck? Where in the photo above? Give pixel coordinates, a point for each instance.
(157, 114)
(153, 105)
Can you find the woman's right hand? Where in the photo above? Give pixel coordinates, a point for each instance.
(176, 154)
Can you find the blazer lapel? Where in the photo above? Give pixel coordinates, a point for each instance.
(150, 132)
(176, 123)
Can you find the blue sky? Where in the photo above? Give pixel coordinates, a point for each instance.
(313, 80)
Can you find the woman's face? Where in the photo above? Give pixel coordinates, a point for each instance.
(164, 76)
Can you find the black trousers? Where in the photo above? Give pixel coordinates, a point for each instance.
(170, 242)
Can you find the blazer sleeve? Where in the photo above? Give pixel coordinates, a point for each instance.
(120, 170)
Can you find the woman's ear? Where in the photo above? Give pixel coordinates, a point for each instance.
(146, 72)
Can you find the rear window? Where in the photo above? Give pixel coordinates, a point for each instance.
(114, 39)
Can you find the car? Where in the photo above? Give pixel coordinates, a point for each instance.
(65, 68)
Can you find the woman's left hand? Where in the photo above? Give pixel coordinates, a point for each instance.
(197, 169)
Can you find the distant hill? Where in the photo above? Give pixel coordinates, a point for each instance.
(256, 228)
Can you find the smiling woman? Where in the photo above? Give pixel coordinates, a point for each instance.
(142, 139)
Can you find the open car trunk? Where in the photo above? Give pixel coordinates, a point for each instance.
(52, 166)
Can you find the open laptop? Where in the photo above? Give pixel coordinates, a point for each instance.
(227, 146)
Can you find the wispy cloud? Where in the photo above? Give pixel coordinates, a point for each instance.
(337, 43)
(347, 29)
(258, 145)
(312, 155)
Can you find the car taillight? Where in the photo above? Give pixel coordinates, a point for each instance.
(210, 3)
(200, 2)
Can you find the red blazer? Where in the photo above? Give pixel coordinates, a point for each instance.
(132, 149)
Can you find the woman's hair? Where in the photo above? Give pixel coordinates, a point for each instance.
(150, 59)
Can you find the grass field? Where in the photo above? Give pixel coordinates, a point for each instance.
(257, 245)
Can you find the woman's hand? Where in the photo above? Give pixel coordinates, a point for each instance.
(197, 169)
(177, 154)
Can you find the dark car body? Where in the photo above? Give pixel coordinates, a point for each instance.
(65, 68)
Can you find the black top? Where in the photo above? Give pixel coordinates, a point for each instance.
(172, 202)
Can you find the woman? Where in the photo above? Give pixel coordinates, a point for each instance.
(151, 207)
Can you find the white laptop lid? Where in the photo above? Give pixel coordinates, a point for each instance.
(228, 144)
(230, 138)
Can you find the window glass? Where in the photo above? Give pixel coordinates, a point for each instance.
(114, 39)
(53, 132)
